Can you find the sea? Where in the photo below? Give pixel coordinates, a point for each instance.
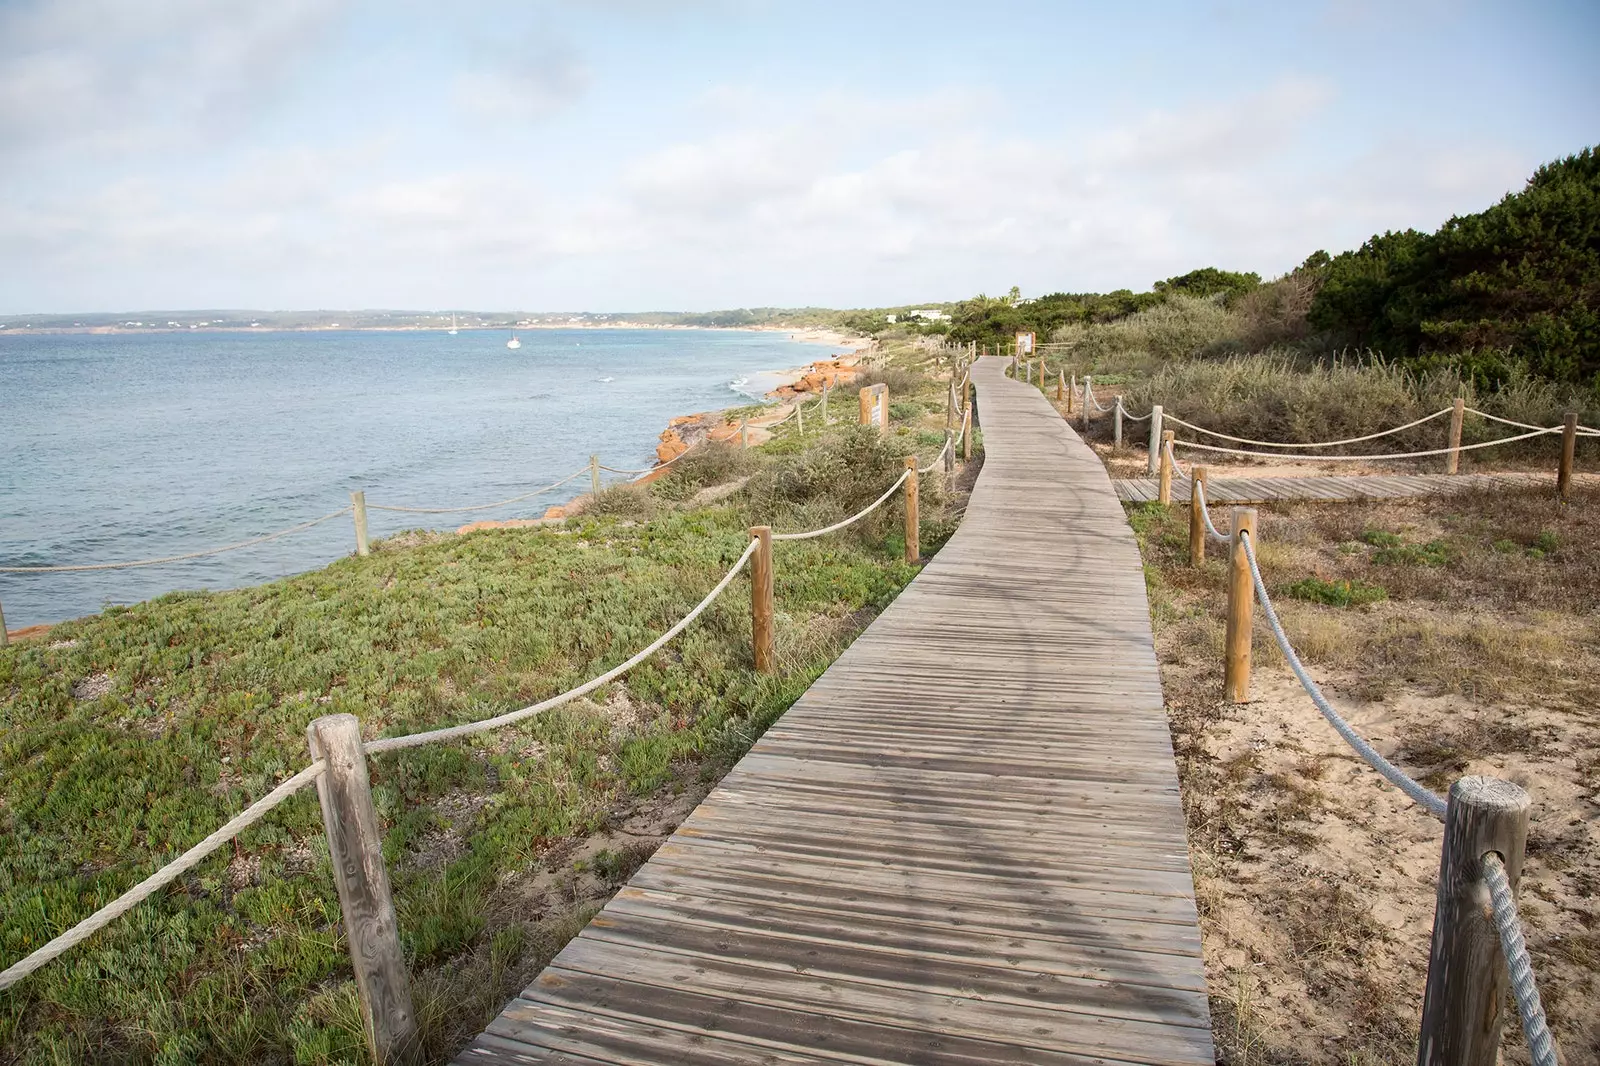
(131, 446)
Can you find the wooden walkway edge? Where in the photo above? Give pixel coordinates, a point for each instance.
(1242, 488)
(963, 844)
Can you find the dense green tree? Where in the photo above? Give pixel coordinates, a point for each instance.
(1519, 282)
(1209, 281)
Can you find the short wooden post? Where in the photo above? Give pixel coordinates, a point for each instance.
(966, 437)
(5, 638)
(358, 509)
(1116, 424)
(1061, 386)
(1087, 409)
(800, 416)
(913, 521)
(1452, 458)
(950, 406)
(966, 395)
(761, 583)
(594, 475)
(949, 451)
(1569, 452)
(1166, 466)
(1197, 518)
(1013, 366)
(1072, 394)
(1464, 1004)
(825, 403)
(1155, 437)
(355, 845)
(1027, 368)
(1241, 607)
(744, 433)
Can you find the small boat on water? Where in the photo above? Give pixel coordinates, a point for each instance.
(452, 324)
(513, 342)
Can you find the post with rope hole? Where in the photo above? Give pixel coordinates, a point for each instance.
(949, 452)
(1452, 458)
(913, 518)
(761, 584)
(594, 475)
(1569, 452)
(966, 437)
(1116, 424)
(1166, 467)
(1464, 1004)
(966, 398)
(355, 844)
(1241, 608)
(358, 511)
(1061, 386)
(1155, 437)
(1088, 410)
(1197, 517)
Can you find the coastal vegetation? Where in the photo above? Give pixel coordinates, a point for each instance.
(131, 734)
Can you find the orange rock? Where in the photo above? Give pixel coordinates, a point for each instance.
(554, 512)
(27, 632)
(726, 431)
(509, 523)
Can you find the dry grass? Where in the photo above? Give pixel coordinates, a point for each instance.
(1315, 878)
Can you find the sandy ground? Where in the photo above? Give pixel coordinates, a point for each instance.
(1315, 878)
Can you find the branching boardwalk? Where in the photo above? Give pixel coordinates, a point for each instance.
(963, 845)
(1242, 488)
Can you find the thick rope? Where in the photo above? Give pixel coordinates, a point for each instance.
(1434, 804)
(1198, 489)
(174, 558)
(858, 516)
(434, 736)
(477, 506)
(937, 459)
(1583, 431)
(1320, 444)
(1541, 1045)
(642, 469)
(1363, 458)
(1130, 417)
(1089, 398)
(1177, 465)
(160, 879)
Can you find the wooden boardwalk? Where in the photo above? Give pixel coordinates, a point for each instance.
(1242, 488)
(962, 845)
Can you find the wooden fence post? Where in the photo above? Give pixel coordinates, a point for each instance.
(761, 584)
(949, 451)
(824, 403)
(966, 395)
(1241, 607)
(1088, 409)
(1452, 458)
(950, 406)
(1155, 437)
(744, 433)
(358, 510)
(913, 522)
(800, 416)
(594, 475)
(1464, 1004)
(1116, 424)
(1061, 386)
(1166, 467)
(355, 845)
(1569, 451)
(1072, 394)
(966, 439)
(5, 638)
(1197, 518)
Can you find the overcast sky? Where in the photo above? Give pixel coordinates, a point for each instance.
(630, 155)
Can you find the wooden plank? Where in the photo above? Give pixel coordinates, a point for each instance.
(963, 844)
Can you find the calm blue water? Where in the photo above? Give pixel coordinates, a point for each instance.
(130, 447)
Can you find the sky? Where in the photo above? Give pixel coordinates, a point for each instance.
(612, 155)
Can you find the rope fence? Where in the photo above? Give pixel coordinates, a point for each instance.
(1480, 816)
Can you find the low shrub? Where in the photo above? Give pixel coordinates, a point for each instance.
(901, 380)
(712, 463)
(1336, 593)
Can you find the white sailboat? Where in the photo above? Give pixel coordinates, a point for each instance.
(452, 323)
(513, 342)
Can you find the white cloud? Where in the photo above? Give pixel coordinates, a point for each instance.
(532, 86)
(116, 74)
